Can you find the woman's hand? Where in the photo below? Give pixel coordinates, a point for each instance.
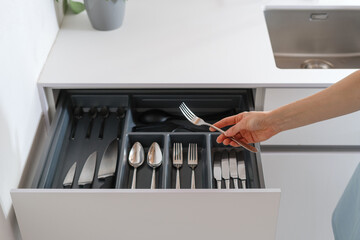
(250, 127)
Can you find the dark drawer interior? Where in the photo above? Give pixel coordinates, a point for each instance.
(89, 120)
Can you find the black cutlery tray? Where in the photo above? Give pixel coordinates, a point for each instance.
(212, 105)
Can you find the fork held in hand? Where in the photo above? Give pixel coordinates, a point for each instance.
(177, 161)
(198, 121)
(192, 161)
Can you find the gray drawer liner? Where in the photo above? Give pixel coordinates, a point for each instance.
(62, 151)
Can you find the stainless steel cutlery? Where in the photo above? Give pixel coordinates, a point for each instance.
(242, 172)
(192, 161)
(217, 172)
(177, 161)
(154, 160)
(69, 178)
(88, 171)
(108, 164)
(233, 168)
(225, 169)
(230, 167)
(136, 159)
(198, 121)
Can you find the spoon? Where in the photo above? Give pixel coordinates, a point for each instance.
(136, 159)
(92, 114)
(104, 112)
(154, 160)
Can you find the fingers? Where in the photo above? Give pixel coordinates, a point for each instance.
(227, 121)
(224, 122)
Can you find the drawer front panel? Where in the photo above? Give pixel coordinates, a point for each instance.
(140, 214)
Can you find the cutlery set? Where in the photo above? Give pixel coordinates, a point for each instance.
(229, 168)
(106, 171)
(178, 161)
(223, 170)
(93, 113)
(136, 159)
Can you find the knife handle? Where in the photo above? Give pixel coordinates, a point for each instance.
(153, 179)
(235, 183)
(177, 178)
(219, 184)
(133, 186)
(108, 182)
(243, 182)
(227, 183)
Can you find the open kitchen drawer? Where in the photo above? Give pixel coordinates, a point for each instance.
(110, 209)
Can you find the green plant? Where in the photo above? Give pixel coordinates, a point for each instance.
(76, 7)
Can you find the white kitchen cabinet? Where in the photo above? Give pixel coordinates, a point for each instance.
(342, 131)
(311, 184)
(48, 211)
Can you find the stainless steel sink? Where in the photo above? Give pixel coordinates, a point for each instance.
(310, 37)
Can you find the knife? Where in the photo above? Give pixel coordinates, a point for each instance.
(233, 168)
(69, 179)
(225, 169)
(217, 172)
(87, 173)
(242, 172)
(108, 164)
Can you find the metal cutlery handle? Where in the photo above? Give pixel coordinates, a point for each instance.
(102, 127)
(243, 182)
(177, 178)
(219, 184)
(241, 143)
(235, 183)
(133, 186)
(73, 129)
(193, 179)
(153, 179)
(88, 132)
(227, 183)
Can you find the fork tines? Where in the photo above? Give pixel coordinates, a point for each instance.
(187, 112)
(192, 155)
(177, 155)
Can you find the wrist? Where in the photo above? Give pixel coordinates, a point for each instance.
(275, 121)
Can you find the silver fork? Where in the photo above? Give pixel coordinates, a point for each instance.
(192, 161)
(177, 161)
(198, 121)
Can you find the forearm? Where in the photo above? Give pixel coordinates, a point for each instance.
(341, 98)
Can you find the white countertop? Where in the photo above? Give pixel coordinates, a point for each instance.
(176, 43)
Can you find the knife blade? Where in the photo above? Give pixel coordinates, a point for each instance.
(233, 168)
(108, 164)
(88, 171)
(217, 172)
(225, 171)
(69, 178)
(242, 171)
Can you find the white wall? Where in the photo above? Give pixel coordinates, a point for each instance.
(27, 32)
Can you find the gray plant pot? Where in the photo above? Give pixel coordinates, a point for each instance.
(105, 15)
